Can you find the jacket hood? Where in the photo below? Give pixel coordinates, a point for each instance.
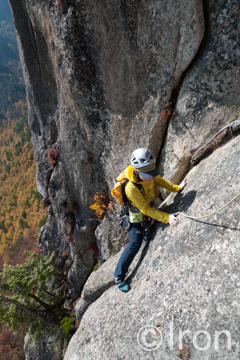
(129, 174)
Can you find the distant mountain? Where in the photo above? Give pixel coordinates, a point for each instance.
(5, 12)
(12, 87)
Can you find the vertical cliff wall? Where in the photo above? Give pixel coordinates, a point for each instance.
(103, 78)
(97, 76)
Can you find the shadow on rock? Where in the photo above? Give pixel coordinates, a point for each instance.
(181, 202)
(217, 225)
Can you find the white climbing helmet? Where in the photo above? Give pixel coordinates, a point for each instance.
(142, 158)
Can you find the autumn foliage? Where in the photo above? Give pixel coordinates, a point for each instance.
(11, 345)
(21, 209)
(102, 204)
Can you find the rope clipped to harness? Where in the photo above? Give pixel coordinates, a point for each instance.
(212, 213)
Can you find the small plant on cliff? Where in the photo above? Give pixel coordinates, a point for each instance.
(32, 295)
(67, 324)
(102, 204)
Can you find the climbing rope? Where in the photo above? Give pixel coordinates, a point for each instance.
(212, 213)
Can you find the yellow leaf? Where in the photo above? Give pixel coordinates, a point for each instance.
(94, 206)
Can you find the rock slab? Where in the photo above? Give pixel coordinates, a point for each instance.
(188, 280)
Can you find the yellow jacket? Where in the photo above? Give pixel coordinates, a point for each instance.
(142, 202)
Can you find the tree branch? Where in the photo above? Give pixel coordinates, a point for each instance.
(42, 303)
(32, 312)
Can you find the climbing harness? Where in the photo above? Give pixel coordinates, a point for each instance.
(212, 213)
(147, 222)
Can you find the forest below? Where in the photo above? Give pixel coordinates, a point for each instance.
(21, 209)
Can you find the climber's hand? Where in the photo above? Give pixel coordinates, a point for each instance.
(183, 183)
(173, 220)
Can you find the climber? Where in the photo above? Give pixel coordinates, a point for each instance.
(142, 171)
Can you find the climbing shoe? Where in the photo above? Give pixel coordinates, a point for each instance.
(122, 285)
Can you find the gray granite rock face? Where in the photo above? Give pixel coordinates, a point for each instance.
(209, 95)
(102, 79)
(47, 348)
(101, 280)
(110, 237)
(187, 285)
(97, 75)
